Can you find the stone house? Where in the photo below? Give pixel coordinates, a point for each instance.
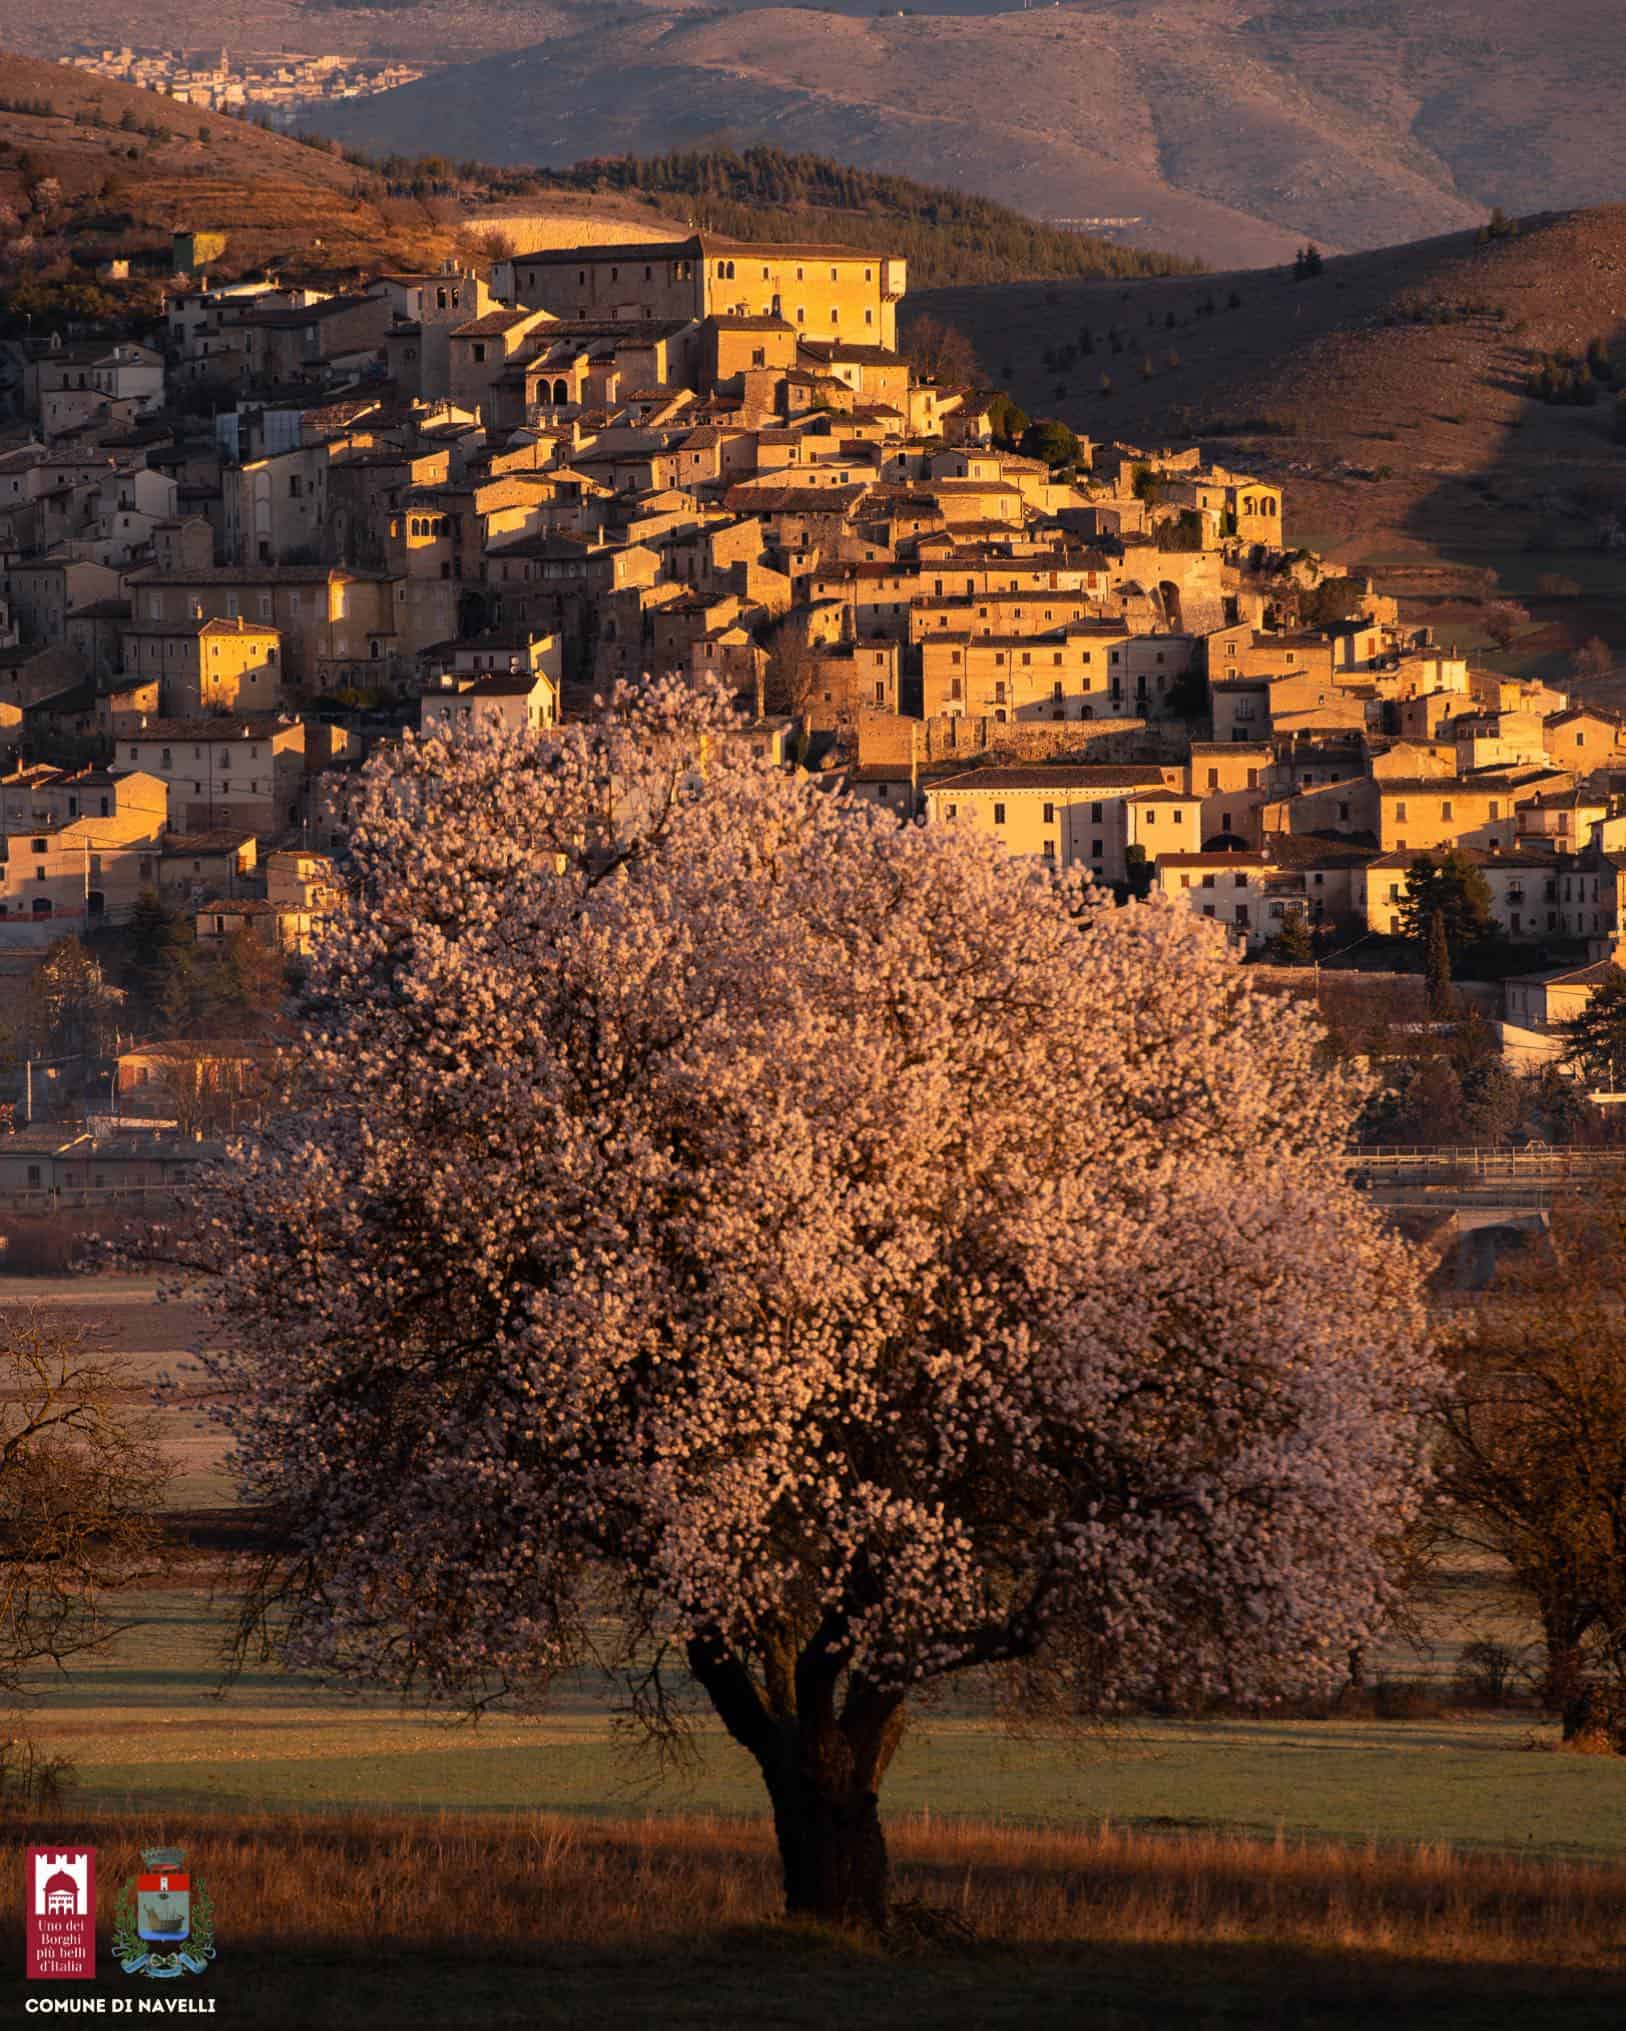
(206, 666)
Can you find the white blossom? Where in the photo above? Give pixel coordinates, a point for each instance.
(834, 1237)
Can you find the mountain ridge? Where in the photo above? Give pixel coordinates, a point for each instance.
(1231, 131)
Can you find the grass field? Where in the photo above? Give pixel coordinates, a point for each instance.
(378, 1867)
(148, 1729)
(529, 1920)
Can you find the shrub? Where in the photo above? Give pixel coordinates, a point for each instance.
(1405, 1699)
(1488, 1671)
(1503, 620)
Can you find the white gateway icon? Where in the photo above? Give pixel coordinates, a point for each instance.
(60, 1886)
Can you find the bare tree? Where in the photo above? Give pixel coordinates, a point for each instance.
(941, 351)
(1593, 660)
(81, 1476)
(1503, 620)
(1533, 1469)
(793, 669)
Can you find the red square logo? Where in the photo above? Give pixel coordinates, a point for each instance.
(61, 1892)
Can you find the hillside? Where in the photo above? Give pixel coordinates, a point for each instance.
(1231, 130)
(1389, 394)
(134, 167)
(946, 236)
(1228, 130)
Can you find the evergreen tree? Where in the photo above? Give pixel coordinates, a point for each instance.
(1293, 945)
(163, 954)
(1052, 441)
(1595, 1040)
(1452, 888)
(1438, 967)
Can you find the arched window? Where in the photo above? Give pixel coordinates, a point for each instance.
(561, 391)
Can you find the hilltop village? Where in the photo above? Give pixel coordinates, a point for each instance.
(303, 515)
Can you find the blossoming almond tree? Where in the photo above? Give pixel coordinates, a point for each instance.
(832, 1250)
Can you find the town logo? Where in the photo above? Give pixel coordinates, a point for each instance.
(163, 1923)
(61, 1914)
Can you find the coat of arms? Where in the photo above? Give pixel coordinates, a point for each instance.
(163, 1923)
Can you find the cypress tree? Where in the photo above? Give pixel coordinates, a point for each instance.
(1437, 964)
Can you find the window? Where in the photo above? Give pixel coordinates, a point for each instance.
(999, 814)
(1400, 810)
(296, 486)
(479, 349)
(1049, 849)
(1050, 814)
(1095, 814)
(1445, 807)
(951, 810)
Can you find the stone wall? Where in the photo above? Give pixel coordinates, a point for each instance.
(893, 740)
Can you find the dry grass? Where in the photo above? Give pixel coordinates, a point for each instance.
(673, 1916)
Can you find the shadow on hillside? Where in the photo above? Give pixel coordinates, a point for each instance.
(1539, 512)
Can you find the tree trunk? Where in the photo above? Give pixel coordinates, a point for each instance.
(1565, 1676)
(822, 1761)
(833, 1851)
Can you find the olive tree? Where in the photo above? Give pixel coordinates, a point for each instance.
(833, 1253)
